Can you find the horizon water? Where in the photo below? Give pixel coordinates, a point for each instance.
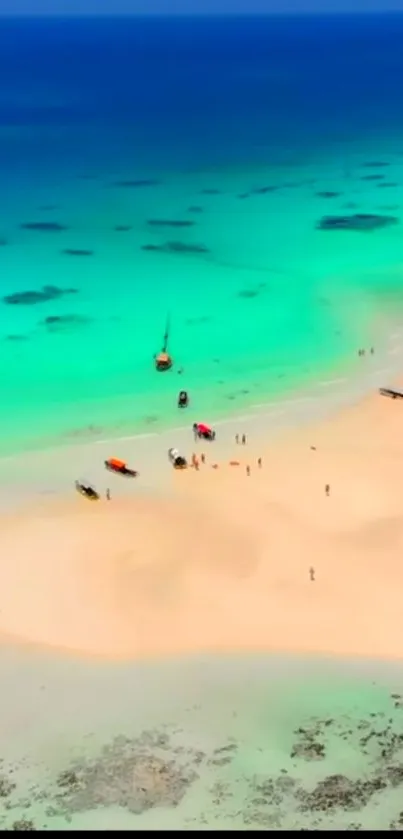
(250, 131)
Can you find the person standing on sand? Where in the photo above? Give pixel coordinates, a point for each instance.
(312, 574)
(237, 438)
(108, 495)
(327, 489)
(203, 458)
(248, 471)
(259, 462)
(243, 439)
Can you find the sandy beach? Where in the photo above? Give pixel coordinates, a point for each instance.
(216, 560)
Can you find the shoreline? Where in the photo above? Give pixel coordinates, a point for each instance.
(218, 560)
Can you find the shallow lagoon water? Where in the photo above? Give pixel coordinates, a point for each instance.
(240, 742)
(273, 303)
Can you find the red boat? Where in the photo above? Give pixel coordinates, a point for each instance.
(203, 432)
(113, 464)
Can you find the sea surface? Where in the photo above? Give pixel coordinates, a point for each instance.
(245, 742)
(239, 135)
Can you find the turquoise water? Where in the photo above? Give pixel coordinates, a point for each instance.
(273, 304)
(259, 742)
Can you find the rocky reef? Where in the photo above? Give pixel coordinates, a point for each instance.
(166, 222)
(361, 222)
(77, 252)
(44, 226)
(31, 298)
(137, 184)
(176, 247)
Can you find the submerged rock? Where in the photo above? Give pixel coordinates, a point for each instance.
(211, 191)
(3, 243)
(372, 177)
(358, 221)
(137, 184)
(55, 322)
(30, 298)
(328, 194)
(387, 185)
(16, 338)
(44, 226)
(195, 208)
(162, 222)
(262, 190)
(176, 247)
(338, 791)
(77, 252)
(122, 228)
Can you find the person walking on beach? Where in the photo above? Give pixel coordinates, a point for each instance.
(327, 489)
(237, 438)
(108, 495)
(259, 462)
(312, 574)
(243, 439)
(248, 471)
(203, 458)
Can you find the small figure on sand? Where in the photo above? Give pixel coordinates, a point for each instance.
(372, 350)
(259, 462)
(237, 438)
(248, 471)
(312, 574)
(327, 489)
(108, 495)
(243, 439)
(203, 458)
(195, 462)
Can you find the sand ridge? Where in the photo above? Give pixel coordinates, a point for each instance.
(220, 560)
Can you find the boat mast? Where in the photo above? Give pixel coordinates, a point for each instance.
(166, 336)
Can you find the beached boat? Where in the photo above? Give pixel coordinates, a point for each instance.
(163, 361)
(203, 432)
(183, 399)
(86, 489)
(177, 460)
(113, 464)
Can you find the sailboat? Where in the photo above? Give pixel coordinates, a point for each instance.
(163, 360)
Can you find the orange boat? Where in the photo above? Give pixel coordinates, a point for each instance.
(163, 361)
(113, 464)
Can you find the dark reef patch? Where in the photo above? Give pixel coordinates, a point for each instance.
(387, 185)
(44, 226)
(262, 190)
(372, 177)
(176, 247)
(166, 222)
(243, 195)
(77, 252)
(16, 338)
(134, 774)
(137, 184)
(3, 243)
(122, 228)
(195, 208)
(30, 298)
(359, 222)
(327, 193)
(56, 322)
(211, 191)
(350, 205)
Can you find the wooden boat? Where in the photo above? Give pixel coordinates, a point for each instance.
(393, 394)
(163, 361)
(203, 432)
(113, 464)
(177, 460)
(87, 490)
(183, 399)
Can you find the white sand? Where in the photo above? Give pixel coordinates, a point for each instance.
(220, 561)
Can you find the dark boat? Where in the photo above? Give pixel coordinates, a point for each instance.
(177, 460)
(203, 432)
(183, 399)
(163, 360)
(113, 464)
(87, 490)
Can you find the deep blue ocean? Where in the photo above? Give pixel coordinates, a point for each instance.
(240, 135)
